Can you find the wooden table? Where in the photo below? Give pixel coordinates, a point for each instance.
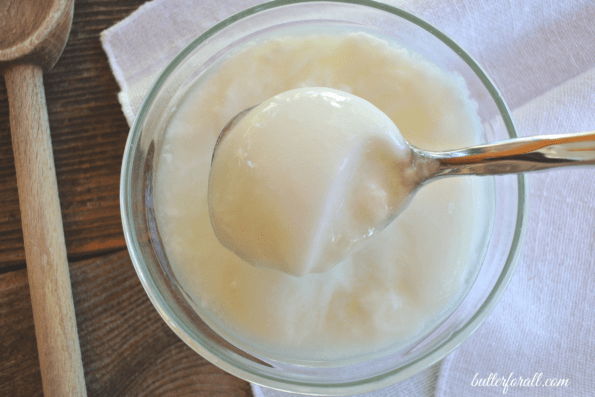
(127, 349)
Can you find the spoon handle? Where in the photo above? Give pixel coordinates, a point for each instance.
(516, 155)
(45, 250)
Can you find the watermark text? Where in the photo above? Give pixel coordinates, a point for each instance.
(512, 380)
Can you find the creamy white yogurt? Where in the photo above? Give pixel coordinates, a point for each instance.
(304, 179)
(387, 294)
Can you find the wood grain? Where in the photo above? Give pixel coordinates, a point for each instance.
(11, 12)
(127, 348)
(88, 136)
(25, 53)
(47, 265)
(20, 374)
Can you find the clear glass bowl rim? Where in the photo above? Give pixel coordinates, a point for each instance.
(259, 377)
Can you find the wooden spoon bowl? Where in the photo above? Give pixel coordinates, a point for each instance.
(33, 34)
(33, 31)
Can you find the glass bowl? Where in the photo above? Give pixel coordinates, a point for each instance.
(150, 259)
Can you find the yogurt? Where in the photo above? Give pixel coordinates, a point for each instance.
(387, 294)
(301, 181)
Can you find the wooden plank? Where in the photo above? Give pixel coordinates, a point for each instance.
(19, 365)
(88, 135)
(127, 348)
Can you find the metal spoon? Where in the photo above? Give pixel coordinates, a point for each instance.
(402, 171)
(506, 157)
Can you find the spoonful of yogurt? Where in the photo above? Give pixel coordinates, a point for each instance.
(303, 180)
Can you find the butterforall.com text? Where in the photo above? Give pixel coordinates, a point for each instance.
(495, 380)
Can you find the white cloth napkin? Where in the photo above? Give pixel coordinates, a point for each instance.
(541, 55)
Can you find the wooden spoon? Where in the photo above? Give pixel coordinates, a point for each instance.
(33, 34)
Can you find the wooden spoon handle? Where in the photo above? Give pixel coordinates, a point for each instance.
(45, 250)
